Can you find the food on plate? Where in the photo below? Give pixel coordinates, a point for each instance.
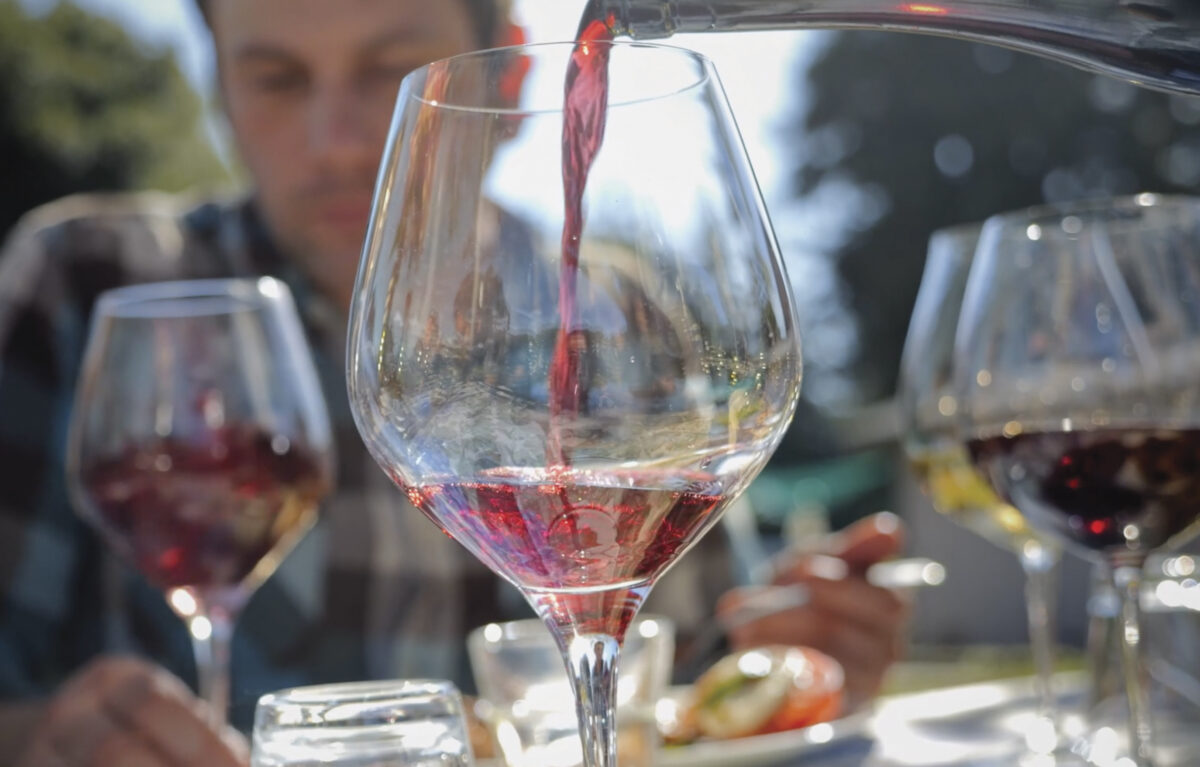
(758, 691)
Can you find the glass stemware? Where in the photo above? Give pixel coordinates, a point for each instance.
(929, 412)
(580, 485)
(200, 446)
(1076, 361)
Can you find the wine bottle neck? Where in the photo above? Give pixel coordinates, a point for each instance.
(656, 18)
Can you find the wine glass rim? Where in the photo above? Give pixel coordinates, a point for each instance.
(704, 62)
(1061, 210)
(189, 298)
(968, 230)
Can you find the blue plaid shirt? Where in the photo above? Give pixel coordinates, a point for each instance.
(374, 591)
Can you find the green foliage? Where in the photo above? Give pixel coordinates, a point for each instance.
(1014, 130)
(84, 107)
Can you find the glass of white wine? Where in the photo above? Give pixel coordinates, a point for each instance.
(929, 410)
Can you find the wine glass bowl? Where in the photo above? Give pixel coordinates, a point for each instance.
(572, 390)
(1080, 357)
(199, 445)
(1076, 360)
(929, 404)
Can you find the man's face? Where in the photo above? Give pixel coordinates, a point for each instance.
(309, 87)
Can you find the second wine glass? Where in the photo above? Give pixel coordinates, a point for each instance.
(200, 446)
(574, 402)
(1076, 361)
(929, 413)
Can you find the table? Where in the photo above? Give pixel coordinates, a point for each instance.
(975, 725)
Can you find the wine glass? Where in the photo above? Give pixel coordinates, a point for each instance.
(1076, 361)
(929, 413)
(200, 446)
(573, 399)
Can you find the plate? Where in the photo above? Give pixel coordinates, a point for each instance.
(766, 749)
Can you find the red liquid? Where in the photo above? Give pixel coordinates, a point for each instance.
(585, 109)
(572, 534)
(209, 515)
(588, 544)
(1109, 490)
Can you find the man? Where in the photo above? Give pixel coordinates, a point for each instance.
(308, 87)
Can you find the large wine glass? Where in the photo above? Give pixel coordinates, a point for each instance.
(574, 398)
(200, 446)
(929, 414)
(1077, 361)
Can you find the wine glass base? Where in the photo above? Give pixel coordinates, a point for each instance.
(1176, 744)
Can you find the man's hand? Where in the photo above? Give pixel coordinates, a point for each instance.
(861, 625)
(121, 712)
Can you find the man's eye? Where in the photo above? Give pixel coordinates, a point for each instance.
(280, 82)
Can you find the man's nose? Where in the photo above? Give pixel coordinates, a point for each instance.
(340, 130)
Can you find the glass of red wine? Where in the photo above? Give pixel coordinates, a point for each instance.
(572, 340)
(1077, 358)
(929, 417)
(200, 446)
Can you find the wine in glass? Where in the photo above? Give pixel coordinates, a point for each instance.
(1076, 361)
(200, 446)
(929, 412)
(573, 392)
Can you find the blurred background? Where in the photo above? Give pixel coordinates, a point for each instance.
(864, 144)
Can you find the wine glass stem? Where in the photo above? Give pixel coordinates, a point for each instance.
(212, 632)
(1128, 582)
(1040, 564)
(592, 665)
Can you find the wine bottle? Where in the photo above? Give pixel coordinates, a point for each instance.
(1154, 43)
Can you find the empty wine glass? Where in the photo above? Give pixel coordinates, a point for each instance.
(573, 399)
(929, 412)
(1077, 356)
(200, 446)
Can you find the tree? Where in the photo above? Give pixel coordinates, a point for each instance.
(83, 107)
(926, 132)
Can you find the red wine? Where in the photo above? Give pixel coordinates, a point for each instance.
(574, 532)
(206, 515)
(1110, 490)
(585, 108)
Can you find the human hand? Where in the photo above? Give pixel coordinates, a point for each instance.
(862, 625)
(123, 712)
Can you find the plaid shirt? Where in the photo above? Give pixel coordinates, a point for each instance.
(374, 591)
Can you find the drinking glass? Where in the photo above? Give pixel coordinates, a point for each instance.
(399, 723)
(571, 379)
(526, 695)
(1077, 356)
(200, 446)
(929, 413)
